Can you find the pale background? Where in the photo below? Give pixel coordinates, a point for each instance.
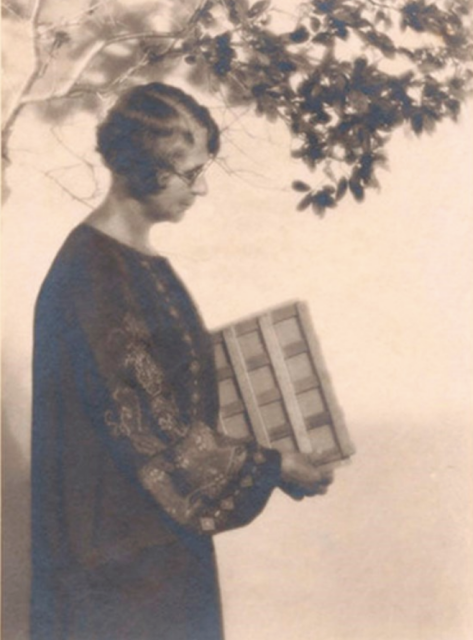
(386, 555)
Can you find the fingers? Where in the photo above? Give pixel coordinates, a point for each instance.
(294, 491)
(316, 489)
(321, 485)
(297, 470)
(326, 477)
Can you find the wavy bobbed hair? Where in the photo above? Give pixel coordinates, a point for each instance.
(144, 132)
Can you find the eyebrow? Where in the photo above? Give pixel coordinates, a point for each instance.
(195, 169)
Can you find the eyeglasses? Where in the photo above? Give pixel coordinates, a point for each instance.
(191, 177)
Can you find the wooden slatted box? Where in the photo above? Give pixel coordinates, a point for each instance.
(274, 386)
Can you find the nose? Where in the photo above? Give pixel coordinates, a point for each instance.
(200, 187)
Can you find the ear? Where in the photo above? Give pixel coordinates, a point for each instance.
(162, 177)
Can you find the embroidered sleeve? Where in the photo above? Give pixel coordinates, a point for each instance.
(211, 483)
(199, 477)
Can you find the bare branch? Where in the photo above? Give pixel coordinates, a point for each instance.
(23, 97)
(93, 53)
(35, 12)
(240, 173)
(82, 162)
(68, 191)
(11, 10)
(81, 158)
(99, 46)
(76, 19)
(390, 7)
(28, 83)
(129, 72)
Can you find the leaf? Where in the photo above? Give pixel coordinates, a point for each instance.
(298, 153)
(318, 209)
(325, 6)
(341, 188)
(356, 189)
(380, 16)
(323, 199)
(412, 16)
(298, 185)
(366, 167)
(258, 8)
(299, 35)
(340, 28)
(286, 66)
(417, 122)
(453, 107)
(305, 202)
(381, 41)
(323, 38)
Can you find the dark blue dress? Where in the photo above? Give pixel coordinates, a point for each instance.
(130, 478)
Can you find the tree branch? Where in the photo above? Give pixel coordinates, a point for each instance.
(11, 10)
(101, 45)
(384, 6)
(87, 60)
(23, 97)
(76, 19)
(68, 191)
(29, 82)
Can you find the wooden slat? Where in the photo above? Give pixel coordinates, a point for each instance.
(268, 396)
(283, 431)
(250, 323)
(244, 384)
(328, 457)
(340, 433)
(321, 420)
(285, 384)
(294, 349)
(224, 373)
(255, 362)
(284, 313)
(305, 384)
(232, 409)
(246, 326)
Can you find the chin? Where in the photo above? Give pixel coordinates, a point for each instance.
(182, 210)
(177, 218)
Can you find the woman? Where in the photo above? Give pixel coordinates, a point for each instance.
(130, 478)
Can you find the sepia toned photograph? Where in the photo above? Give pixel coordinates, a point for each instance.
(237, 360)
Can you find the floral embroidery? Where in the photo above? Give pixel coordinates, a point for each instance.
(130, 424)
(129, 418)
(201, 478)
(228, 504)
(132, 343)
(207, 524)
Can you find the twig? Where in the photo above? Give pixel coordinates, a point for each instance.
(23, 97)
(103, 44)
(126, 74)
(384, 6)
(11, 10)
(75, 19)
(83, 161)
(93, 52)
(68, 191)
(29, 82)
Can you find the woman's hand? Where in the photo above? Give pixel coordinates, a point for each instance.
(300, 478)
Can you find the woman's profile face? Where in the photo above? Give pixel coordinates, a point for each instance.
(182, 184)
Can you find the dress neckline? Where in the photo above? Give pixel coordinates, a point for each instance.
(125, 247)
